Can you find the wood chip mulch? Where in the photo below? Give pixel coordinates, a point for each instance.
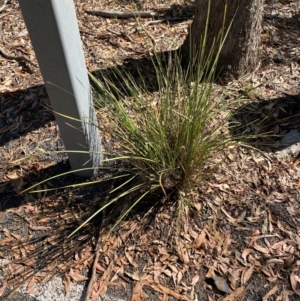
(243, 242)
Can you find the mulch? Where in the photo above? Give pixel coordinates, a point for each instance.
(246, 227)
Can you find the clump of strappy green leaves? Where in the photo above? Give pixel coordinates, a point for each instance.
(166, 138)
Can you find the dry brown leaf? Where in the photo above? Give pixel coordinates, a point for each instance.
(30, 285)
(165, 290)
(230, 218)
(261, 249)
(94, 295)
(195, 280)
(119, 271)
(233, 295)
(135, 275)
(210, 272)
(23, 252)
(241, 217)
(253, 261)
(6, 232)
(182, 252)
(136, 291)
(246, 252)
(254, 237)
(102, 288)
(32, 209)
(247, 275)
(270, 293)
(233, 278)
(67, 283)
(156, 275)
(279, 244)
(6, 240)
(167, 272)
(227, 242)
(285, 294)
(38, 228)
(199, 241)
(76, 276)
(265, 226)
(29, 247)
(275, 260)
(280, 226)
(223, 268)
(130, 258)
(2, 288)
(13, 175)
(16, 269)
(297, 239)
(173, 268)
(266, 272)
(193, 233)
(295, 281)
(29, 262)
(44, 219)
(179, 277)
(105, 279)
(99, 267)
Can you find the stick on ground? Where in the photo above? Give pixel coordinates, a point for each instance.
(16, 58)
(121, 15)
(94, 268)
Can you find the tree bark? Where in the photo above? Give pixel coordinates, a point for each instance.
(240, 52)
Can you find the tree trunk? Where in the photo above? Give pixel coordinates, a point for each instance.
(240, 53)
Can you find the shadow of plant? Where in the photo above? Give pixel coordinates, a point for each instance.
(270, 119)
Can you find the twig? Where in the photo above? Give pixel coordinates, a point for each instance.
(117, 33)
(121, 15)
(16, 58)
(92, 279)
(134, 30)
(121, 34)
(95, 34)
(3, 6)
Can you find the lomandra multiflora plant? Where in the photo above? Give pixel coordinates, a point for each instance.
(168, 138)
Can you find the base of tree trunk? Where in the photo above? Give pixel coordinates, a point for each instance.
(240, 51)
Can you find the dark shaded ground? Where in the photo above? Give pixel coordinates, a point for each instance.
(269, 119)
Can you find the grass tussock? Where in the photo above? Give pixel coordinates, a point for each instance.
(168, 140)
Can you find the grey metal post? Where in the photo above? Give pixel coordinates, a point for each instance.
(53, 30)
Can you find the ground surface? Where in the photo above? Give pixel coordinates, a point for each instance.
(247, 228)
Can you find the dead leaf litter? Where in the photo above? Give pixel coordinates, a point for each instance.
(244, 239)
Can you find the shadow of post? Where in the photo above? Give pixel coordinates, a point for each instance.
(28, 126)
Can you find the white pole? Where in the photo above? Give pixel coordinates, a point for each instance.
(53, 30)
